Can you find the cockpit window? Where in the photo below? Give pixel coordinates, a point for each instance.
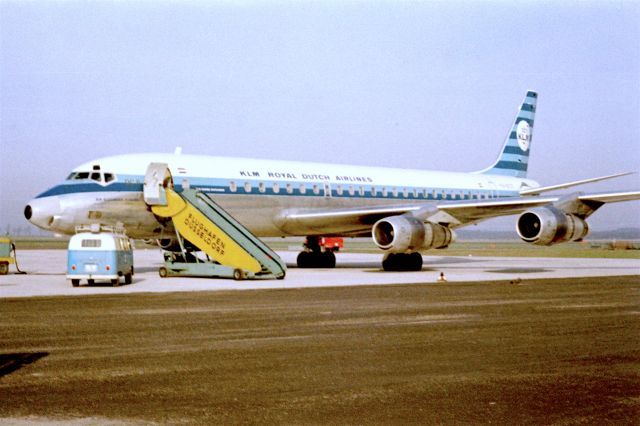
(95, 176)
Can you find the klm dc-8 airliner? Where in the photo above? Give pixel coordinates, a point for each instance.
(404, 211)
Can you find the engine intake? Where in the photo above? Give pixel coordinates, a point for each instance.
(545, 226)
(400, 234)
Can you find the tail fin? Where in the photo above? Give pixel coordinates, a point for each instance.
(514, 158)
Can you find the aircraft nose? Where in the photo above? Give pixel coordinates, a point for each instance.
(42, 212)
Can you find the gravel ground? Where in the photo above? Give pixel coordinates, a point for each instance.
(538, 352)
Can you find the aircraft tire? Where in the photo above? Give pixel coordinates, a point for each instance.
(402, 262)
(75, 283)
(128, 278)
(115, 282)
(328, 260)
(304, 259)
(163, 272)
(238, 275)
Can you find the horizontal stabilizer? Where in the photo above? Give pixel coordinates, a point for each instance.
(614, 197)
(540, 190)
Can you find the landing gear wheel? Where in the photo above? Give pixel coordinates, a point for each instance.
(163, 272)
(238, 275)
(304, 259)
(328, 260)
(402, 262)
(128, 278)
(75, 283)
(91, 282)
(312, 259)
(115, 282)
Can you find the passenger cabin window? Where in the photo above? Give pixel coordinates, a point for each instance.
(339, 190)
(232, 186)
(316, 189)
(303, 189)
(276, 187)
(247, 187)
(91, 243)
(261, 187)
(289, 188)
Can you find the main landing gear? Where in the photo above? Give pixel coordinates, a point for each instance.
(314, 256)
(402, 262)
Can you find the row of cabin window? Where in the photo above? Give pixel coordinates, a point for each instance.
(361, 191)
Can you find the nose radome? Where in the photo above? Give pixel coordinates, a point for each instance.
(42, 212)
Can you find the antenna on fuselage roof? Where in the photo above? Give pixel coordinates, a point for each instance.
(178, 150)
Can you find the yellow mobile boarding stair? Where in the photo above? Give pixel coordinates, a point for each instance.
(232, 250)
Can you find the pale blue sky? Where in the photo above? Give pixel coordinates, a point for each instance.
(430, 85)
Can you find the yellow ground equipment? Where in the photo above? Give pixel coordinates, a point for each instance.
(232, 250)
(7, 256)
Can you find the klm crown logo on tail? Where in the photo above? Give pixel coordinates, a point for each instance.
(514, 158)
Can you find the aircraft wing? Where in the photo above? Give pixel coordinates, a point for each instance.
(359, 220)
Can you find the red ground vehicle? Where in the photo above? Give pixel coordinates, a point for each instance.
(332, 243)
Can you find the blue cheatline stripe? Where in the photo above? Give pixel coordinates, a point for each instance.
(509, 149)
(222, 186)
(90, 187)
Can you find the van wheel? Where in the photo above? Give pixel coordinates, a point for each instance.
(75, 283)
(115, 282)
(127, 279)
(4, 268)
(162, 272)
(238, 275)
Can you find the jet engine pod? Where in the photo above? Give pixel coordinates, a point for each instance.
(399, 234)
(545, 226)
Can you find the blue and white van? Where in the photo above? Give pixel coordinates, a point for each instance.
(100, 254)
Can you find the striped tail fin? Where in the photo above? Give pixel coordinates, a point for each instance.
(514, 158)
